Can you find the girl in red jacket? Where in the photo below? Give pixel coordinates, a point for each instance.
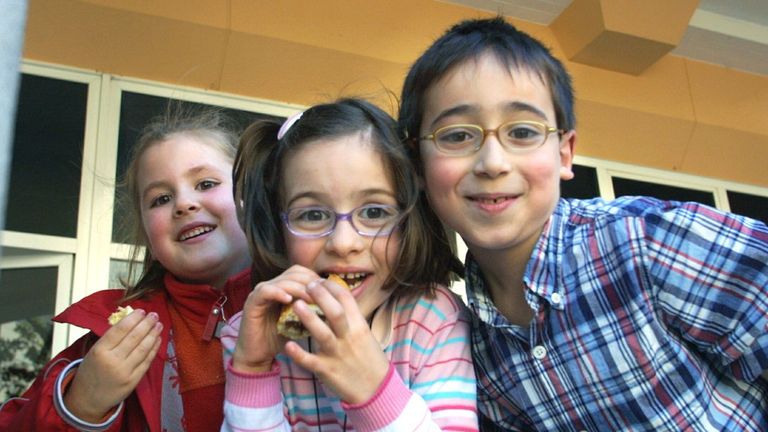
(159, 368)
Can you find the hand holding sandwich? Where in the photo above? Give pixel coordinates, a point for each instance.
(114, 366)
(258, 342)
(345, 354)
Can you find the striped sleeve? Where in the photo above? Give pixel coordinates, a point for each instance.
(430, 350)
(252, 402)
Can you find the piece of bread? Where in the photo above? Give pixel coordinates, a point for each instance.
(121, 313)
(289, 324)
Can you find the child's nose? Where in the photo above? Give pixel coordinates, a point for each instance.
(492, 160)
(185, 203)
(344, 240)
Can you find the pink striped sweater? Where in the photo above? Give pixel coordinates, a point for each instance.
(430, 385)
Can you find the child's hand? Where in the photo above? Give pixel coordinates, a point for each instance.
(348, 358)
(114, 366)
(258, 342)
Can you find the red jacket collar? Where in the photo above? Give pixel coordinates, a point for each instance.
(194, 299)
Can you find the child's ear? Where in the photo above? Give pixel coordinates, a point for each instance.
(567, 144)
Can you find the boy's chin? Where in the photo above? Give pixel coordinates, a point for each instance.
(489, 241)
(495, 245)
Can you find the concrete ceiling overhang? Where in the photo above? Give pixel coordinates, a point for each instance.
(622, 35)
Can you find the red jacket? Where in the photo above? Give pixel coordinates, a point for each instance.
(34, 410)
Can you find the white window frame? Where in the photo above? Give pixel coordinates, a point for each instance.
(63, 334)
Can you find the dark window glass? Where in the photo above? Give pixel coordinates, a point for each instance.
(27, 300)
(583, 185)
(754, 206)
(624, 187)
(136, 110)
(44, 187)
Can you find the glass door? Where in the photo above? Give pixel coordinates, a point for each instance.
(33, 288)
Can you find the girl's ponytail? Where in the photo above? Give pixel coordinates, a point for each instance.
(255, 173)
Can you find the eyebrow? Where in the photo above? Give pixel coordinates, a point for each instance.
(511, 107)
(365, 193)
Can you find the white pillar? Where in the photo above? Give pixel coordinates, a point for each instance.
(13, 17)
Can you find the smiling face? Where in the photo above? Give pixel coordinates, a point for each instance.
(342, 174)
(495, 199)
(188, 212)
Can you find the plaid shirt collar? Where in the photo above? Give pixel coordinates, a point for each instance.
(542, 278)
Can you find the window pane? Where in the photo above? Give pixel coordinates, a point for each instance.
(118, 271)
(27, 300)
(624, 187)
(44, 188)
(753, 206)
(136, 110)
(583, 185)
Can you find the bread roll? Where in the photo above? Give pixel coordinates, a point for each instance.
(119, 314)
(289, 324)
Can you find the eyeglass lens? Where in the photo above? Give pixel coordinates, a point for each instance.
(368, 220)
(469, 138)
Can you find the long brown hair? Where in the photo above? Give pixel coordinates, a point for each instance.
(425, 255)
(208, 126)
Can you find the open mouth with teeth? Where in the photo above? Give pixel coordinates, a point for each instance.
(195, 232)
(496, 200)
(352, 279)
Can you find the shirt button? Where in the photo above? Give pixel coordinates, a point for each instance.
(556, 298)
(539, 352)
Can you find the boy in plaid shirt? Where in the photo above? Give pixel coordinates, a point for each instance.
(633, 314)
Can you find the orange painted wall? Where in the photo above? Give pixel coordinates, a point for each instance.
(677, 115)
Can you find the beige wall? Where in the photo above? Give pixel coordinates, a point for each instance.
(678, 115)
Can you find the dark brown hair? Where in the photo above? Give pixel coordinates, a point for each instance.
(425, 255)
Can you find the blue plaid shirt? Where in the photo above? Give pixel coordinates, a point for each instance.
(650, 316)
